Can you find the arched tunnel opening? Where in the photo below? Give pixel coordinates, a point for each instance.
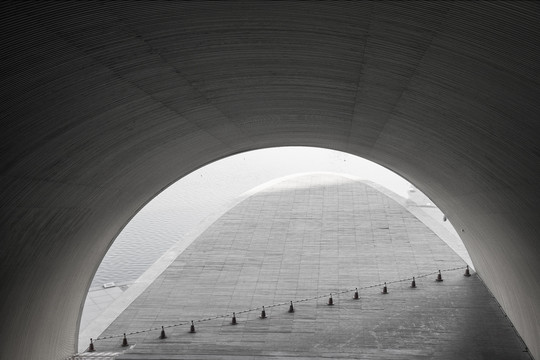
(106, 104)
(172, 220)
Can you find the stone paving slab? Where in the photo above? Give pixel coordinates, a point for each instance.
(292, 242)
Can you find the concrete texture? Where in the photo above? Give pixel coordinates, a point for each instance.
(100, 311)
(311, 236)
(106, 104)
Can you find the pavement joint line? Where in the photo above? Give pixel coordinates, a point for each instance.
(105, 316)
(278, 304)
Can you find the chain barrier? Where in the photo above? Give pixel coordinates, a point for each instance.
(276, 305)
(316, 297)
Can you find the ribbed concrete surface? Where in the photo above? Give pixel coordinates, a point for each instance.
(105, 104)
(309, 236)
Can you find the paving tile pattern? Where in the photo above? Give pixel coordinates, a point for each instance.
(313, 236)
(96, 302)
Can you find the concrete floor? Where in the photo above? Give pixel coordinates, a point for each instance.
(306, 238)
(106, 104)
(97, 301)
(103, 305)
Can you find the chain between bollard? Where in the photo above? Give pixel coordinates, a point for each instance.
(279, 304)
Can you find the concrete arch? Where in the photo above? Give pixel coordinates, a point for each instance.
(105, 104)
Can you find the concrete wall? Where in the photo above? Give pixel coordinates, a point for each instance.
(105, 104)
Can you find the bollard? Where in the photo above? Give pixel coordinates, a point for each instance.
(192, 328)
(291, 308)
(356, 294)
(439, 277)
(91, 346)
(263, 314)
(233, 321)
(385, 289)
(162, 335)
(467, 273)
(330, 300)
(413, 283)
(124, 341)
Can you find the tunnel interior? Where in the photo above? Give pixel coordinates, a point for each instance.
(172, 220)
(106, 104)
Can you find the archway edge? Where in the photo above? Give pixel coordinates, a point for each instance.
(105, 104)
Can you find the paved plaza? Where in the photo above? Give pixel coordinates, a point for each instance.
(306, 238)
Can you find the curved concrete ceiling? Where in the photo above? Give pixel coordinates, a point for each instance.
(105, 104)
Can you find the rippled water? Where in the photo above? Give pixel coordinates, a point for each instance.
(140, 245)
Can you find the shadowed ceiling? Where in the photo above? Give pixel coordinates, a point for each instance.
(104, 104)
